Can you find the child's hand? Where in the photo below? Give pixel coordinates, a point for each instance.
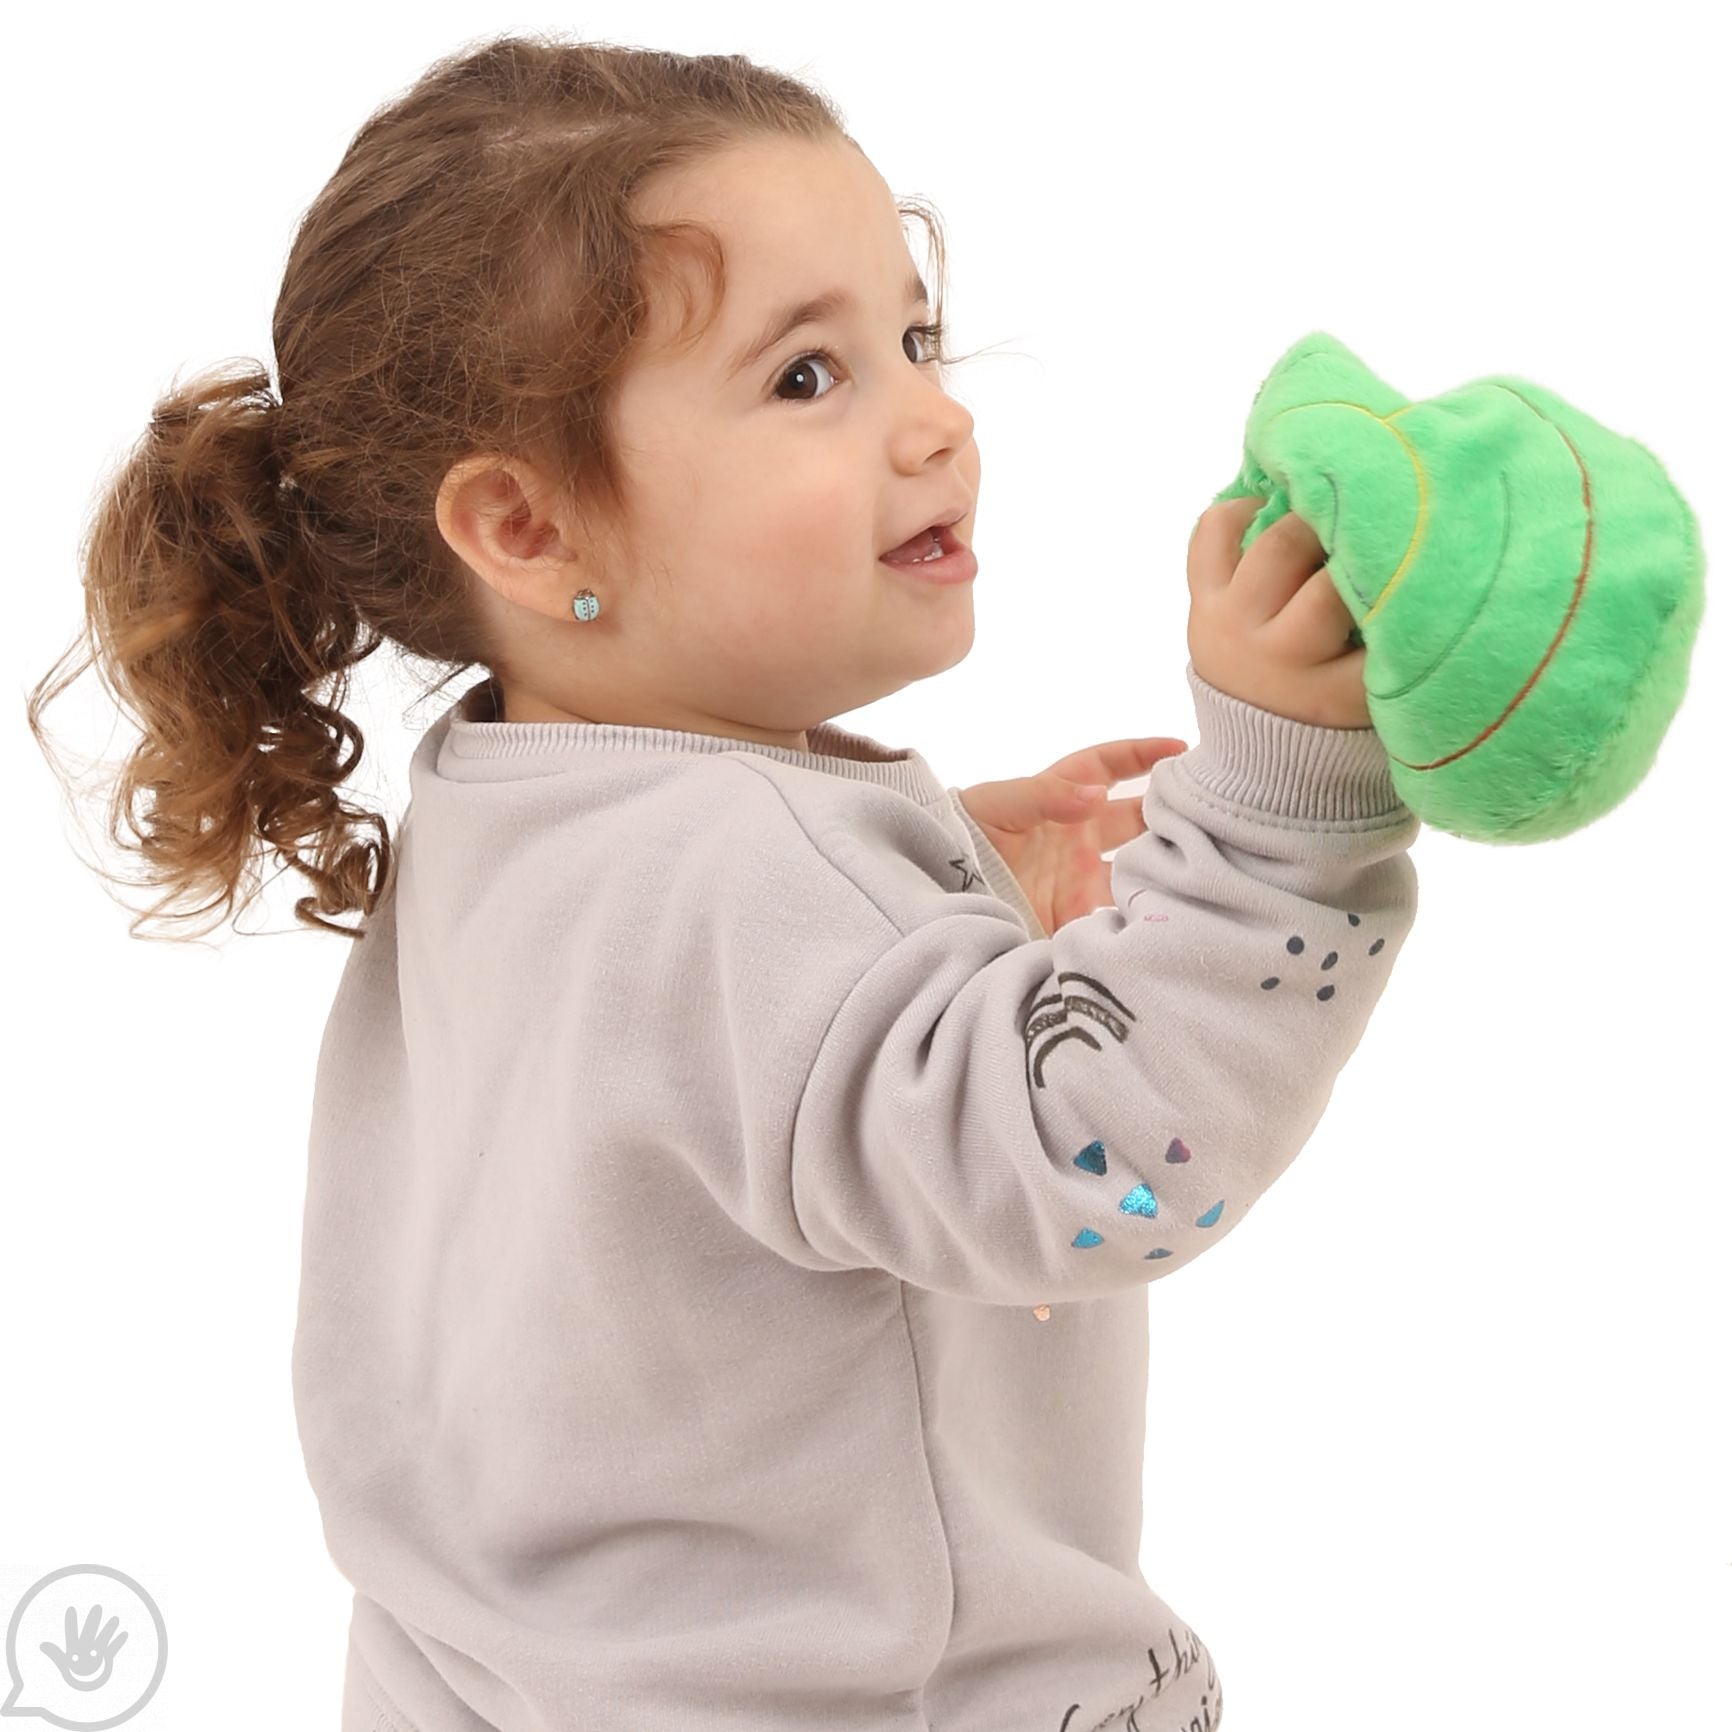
(1269, 627)
(1053, 827)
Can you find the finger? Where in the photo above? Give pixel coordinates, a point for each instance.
(1277, 565)
(1316, 623)
(1214, 548)
(1021, 803)
(1016, 804)
(1116, 761)
(1122, 821)
(1350, 671)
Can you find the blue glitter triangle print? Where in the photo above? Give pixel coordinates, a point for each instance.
(1093, 1159)
(1141, 1201)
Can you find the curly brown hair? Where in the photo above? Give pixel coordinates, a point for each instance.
(471, 276)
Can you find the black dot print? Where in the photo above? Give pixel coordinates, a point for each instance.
(1296, 947)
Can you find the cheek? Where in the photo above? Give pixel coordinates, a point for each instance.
(779, 525)
(806, 497)
(767, 601)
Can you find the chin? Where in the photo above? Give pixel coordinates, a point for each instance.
(959, 651)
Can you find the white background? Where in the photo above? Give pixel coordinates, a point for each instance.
(1439, 1436)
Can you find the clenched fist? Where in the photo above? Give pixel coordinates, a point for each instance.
(1269, 627)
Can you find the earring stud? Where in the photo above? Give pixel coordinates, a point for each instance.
(584, 605)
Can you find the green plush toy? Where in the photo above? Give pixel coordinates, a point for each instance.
(1527, 584)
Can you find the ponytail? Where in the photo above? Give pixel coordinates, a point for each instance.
(206, 620)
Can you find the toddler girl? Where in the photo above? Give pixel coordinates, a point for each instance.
(736, 1172)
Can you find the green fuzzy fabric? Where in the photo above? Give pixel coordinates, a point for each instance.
(1526, 583)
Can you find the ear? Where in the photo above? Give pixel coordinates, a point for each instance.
(497, 515)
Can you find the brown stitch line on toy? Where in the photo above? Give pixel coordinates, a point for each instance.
(1569, 615)
(1418, 535)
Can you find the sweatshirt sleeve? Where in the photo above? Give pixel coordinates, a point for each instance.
(1021, 1120)
(995, 870)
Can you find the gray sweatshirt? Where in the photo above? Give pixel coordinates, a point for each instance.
(730, 1218)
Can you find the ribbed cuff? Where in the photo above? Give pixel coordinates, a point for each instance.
(1290, 769)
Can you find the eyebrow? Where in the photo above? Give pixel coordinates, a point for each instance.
(786, 320)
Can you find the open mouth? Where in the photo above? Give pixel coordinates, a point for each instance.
(932, 543)
(934, 557)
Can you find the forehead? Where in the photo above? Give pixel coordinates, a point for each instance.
(795, 218)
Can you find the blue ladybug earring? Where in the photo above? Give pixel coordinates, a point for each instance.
(584, 605)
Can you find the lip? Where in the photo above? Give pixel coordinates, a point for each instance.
(958, 564)
(944, 524)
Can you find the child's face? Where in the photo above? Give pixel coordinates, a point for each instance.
(764, 496)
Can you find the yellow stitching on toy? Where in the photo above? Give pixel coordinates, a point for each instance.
(1443, 655)
(1408, 557)
(1570, 612)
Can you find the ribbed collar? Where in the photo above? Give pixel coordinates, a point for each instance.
(544, 748)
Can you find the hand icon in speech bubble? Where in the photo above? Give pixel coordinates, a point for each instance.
(86, 1650)
(81, 1685)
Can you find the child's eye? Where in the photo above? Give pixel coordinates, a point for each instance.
(934, 334)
